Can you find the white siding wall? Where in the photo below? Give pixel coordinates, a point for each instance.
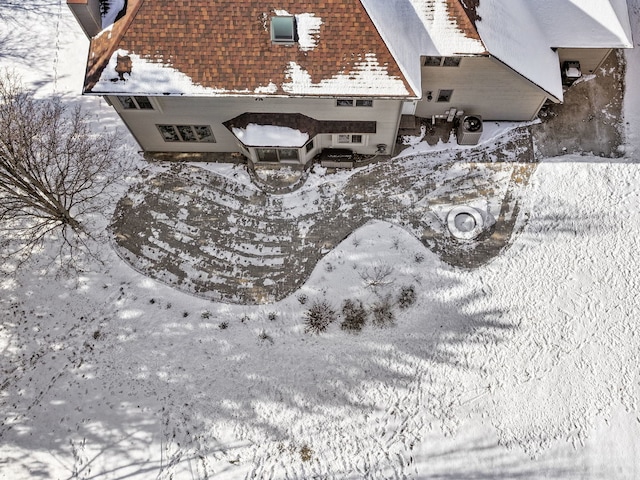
(214, 111)
(589, 58)
(483, 86)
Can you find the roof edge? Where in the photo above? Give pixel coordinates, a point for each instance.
(105, 43)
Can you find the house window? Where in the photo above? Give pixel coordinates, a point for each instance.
(451, 62)
(442, 61)
(309, 146)
(186, 133)
(135, 103)
(349, 138)
(278, 154)
(283, 29)
(349, 102)
(432, 61)
(444, 95)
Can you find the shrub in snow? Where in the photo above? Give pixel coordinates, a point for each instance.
(407, 296)
(319, 316)
(376, 276)
(382, 312)
(306, 453)
(355, 315)
(272, 316)
(265, 337)
(302, 298)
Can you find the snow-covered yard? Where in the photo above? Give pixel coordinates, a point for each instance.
(526, 367)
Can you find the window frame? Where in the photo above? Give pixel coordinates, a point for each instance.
(339, 139)
(444, 95)
(354, 102)
(179, 132)
(277, 26)
(441, 61)
(276, 151)
(136, 101)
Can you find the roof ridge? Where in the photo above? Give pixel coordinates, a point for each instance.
(105, 43)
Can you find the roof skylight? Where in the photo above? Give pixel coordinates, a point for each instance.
(283, 29)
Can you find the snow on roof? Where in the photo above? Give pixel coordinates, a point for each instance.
(270, 136)
(584, 23)
(237, 56)
(511, 34)
(308, 31)
(147, 77)
(368, 76)
(423, 27)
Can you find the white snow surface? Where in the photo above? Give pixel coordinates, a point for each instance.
(368, 77)
(308, 31)
(583, 23)
(527, 367)
(149, 78)
(270, 136)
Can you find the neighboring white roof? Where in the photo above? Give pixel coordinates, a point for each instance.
(584, 23)
(511, 34)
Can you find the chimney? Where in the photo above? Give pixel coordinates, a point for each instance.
(87, 12)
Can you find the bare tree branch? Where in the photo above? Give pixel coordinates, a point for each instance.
(54, 172)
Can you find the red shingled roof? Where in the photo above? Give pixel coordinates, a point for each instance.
(226, 44)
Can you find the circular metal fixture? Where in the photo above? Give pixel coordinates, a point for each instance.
(465, 223)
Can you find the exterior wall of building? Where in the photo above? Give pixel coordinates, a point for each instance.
(208, 111)
(483, 86)
(589, 58)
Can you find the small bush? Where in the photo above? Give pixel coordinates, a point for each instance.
(244, 319)
(319, 316)
(378, 275)
(355, 315)
(272, 316)
(418, 257)
(382, 313)
(265, 337)
(306, 454)
(302, 298)
(223, 326)
(185, 314)
(205, 315)
(407, 297)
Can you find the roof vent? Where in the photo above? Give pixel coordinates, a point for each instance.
(283, 29)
